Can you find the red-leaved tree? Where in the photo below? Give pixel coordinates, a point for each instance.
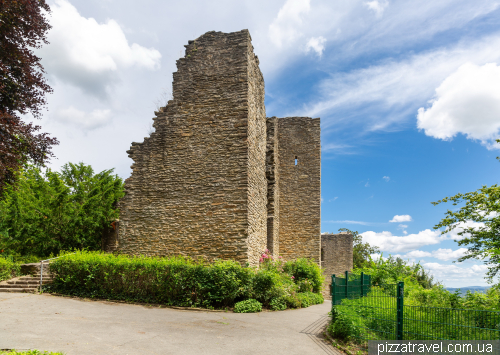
(23, 26)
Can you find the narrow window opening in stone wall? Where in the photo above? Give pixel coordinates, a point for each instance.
(322, 254)
(296, 160)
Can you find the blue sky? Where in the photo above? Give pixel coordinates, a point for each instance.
(408, 93)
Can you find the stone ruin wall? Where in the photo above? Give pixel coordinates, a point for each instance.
(336, 257)
(272, 174)
(299, 187)
(198, 182)
(217, 179)
(257, 145)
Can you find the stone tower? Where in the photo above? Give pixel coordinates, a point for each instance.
(198, 185)
(217, 179)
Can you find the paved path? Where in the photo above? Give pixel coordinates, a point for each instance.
(73, 326)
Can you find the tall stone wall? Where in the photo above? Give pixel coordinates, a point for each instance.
(299, 187)
(272, 174)
(336, 257)
(257, 143)
(198, 185)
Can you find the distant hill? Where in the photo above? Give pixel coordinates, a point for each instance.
(463, 290)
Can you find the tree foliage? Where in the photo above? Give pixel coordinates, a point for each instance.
(391, 270)
(23, 26)
(361, 251)
(483, 241)
(46, 212)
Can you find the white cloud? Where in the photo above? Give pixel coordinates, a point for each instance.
(466, 102)
(322, 200)
(86, 121)
(395, 88)
(460, 227)
(416, 254)
(441, 254)
(401, 218)
(87, 54)
(377, 6)
(448, 254)
(367, 183)
(388, 242)
(285, 27)
(403, 228)
(456, 276)
(316, 44)
(386, 178)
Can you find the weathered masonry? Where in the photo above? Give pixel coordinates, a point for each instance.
(217, 179)
(336, 256)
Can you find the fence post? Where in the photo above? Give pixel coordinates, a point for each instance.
(332, 289)
(346, 283)
(362, 279)
(400, 306)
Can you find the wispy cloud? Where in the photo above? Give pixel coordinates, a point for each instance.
(394, 89)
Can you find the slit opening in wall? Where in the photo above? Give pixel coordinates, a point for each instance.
(296, 160)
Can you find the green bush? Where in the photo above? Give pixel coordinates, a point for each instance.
(248, 306)
(8, 269)
(344, 326)
(175, 281)
(309, 299)
(305, 270)
(269, 284)
(278, 304)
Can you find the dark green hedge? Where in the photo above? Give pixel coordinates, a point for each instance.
(179, 281)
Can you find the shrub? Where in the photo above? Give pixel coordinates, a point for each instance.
(175, 281)
(8, 269)
(309, 298)
(305, 286)
(269, 284)
(248, 306)
(292, 301)
(278, 304)
(344, 325)
(304, 269)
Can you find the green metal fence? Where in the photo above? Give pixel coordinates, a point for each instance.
(378, 312)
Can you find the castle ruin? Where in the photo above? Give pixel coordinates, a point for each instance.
(218, 179)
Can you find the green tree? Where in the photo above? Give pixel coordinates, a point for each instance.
(391, 270)
(46, 212)
(483, 240)
(360, 251)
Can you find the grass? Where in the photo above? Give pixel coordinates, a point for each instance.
(28, 352)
